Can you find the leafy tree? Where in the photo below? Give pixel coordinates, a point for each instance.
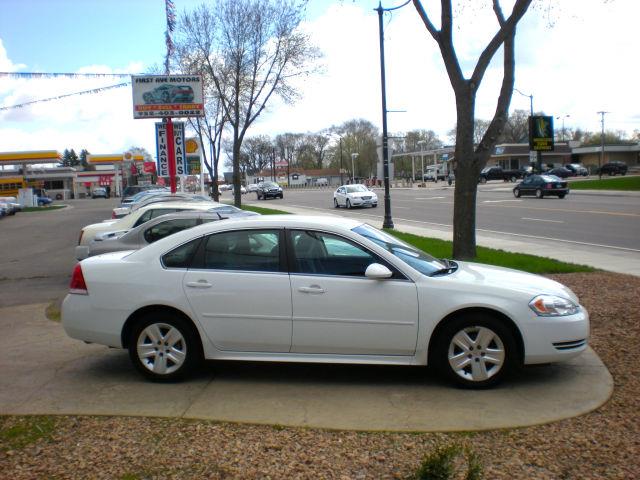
(358, 136)
(470, 156)
(610, 137)
(257, 154)
(256, 50)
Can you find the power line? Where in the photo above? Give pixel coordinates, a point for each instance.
(84, 92)
(62, 75)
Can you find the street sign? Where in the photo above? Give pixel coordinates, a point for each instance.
(162, 148)
(541, 133)
(159, 96)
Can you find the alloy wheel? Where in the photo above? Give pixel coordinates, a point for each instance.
(476, 353)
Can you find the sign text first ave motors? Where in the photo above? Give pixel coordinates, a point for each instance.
(159, 96)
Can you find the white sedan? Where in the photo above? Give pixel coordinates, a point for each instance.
(354, 196)
(318, 289)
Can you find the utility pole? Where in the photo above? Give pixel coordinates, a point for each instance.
(601, 158)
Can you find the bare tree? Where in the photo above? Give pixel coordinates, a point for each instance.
(472, 158)
(256, 53)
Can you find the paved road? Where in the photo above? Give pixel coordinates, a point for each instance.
(37, 250)
(611, 222)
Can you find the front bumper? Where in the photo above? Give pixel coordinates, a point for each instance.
(553, 339)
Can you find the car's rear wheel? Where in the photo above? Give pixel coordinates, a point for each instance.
(561, 195)
(164, 347)
(516, 192)
(335, 203)
(539, 193)
(483, 180)
(475, 351)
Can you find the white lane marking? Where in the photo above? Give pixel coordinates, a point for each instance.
(500, 201)
(429, 198)
(542, 220)
(573, 242)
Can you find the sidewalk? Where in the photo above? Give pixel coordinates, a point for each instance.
(44, 372)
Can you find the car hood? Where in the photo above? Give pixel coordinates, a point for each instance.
(500, 278)
(361, 194)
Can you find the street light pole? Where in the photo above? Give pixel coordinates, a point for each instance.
(388, 222)
(601, 157)
(421, 143)
(353, 171)
(538, 153)
(562, 117)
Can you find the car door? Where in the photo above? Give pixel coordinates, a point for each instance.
(337, 309)
(527, 185)
(240, 291)
(340, 196)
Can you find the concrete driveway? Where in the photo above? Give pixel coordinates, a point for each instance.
(45, 372)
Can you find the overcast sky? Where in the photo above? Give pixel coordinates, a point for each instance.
(575, 60)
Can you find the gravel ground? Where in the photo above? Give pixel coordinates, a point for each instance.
(600, 445)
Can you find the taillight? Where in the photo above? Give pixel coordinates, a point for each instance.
(78, 285)
(80, 237)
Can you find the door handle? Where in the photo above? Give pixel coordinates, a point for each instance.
(199, 284)
(317, 289)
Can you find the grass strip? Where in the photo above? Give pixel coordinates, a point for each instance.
(264, 211)
(42, 209)
(20, 431)
(626, 183)
(519, 261)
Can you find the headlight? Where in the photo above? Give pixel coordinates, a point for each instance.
(552, 306)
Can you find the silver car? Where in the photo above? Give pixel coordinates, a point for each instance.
(154, 230)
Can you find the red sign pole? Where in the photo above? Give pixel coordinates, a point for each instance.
(172, 155)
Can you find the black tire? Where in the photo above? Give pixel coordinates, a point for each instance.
(483, 180)
(281, 196)
(335, 203)
(58, 196)
(258, 196)
(516, 192)
(500, 346)
(561, 195)
(374, 205)
(513, 178)
(347, 204)
(186, 344)
(539, 193)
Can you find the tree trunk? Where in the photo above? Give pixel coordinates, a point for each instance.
(237, 195)
(467, 171)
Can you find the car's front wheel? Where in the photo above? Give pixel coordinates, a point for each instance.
(516, 192)
(335, 203)
(561, 195)
(164, 347)
(348, 203)
(475, 351)
(539, 193)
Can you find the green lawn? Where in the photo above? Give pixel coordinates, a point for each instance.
(630, 183)
(490, 256)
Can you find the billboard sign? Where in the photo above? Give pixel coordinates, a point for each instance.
(159, 96)
(541, 133)
(193, 152)
(162, 148)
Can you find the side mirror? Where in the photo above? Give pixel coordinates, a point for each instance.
(377, 272)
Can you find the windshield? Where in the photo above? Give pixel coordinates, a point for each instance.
(550, 178)
(356, 188)
(270, 185)
(419, 260)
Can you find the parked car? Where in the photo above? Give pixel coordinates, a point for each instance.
(133, 190)
(141, 216)
(99, 192)
(11, 204)
(578, 169)
(156, 197)
(4, 209)
(154, 230)
(613, 168)
(541, 186)
(560, 172)
(243, 190)
(318, 289)
(224, 187)
(169, 94)
(496, 172)
(322, 182)
(349, 196)
(252, 187)
(269, 190)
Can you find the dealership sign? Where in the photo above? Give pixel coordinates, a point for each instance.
(162, 148)
(541, 133)
(159, 96)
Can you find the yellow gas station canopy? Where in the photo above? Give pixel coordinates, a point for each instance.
(114, 158)
(33, 157)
